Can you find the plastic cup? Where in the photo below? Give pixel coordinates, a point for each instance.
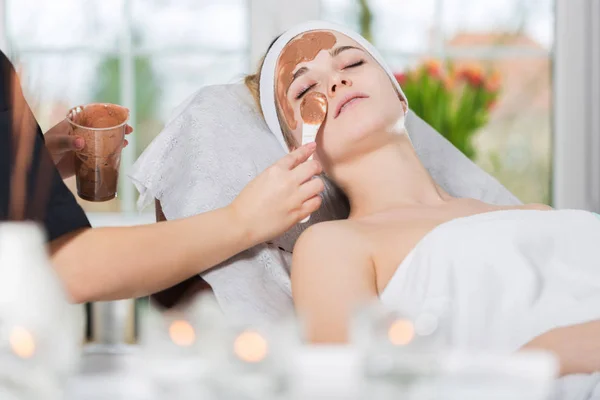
(102, 126)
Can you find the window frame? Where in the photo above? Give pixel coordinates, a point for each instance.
(268, 18)
(127, 54)
(576, 84)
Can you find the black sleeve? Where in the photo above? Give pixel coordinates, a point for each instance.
(47, 199)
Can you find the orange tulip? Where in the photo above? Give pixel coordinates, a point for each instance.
(449, 82)
(461, 74)
(476, 80)
(400, 77)
(493, 85)
(472, 74)
(434, 68)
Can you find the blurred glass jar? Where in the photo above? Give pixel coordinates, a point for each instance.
(40, 331)
(400, 353)
(258, 360)
(180, 349)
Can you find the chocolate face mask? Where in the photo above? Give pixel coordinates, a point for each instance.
(303, 49)
(313, 109)
(272, 88)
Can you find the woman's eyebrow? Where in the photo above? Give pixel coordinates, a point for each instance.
(297, 75)
(335, 52)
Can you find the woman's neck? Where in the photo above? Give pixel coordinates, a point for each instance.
(390, 177)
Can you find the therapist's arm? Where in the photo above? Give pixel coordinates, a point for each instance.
(122, 262)
(113, 263)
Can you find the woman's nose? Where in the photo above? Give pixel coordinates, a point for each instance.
(339, 82)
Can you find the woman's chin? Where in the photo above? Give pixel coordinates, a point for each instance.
(363, 129)
(353, 136)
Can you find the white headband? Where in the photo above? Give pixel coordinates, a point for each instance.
(267, 75)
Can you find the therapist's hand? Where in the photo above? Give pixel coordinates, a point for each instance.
(280, 196)
(62, 146)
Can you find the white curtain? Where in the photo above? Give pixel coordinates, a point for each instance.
(577, 105)
(3, 28)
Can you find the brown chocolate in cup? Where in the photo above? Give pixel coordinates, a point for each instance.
(102, 127)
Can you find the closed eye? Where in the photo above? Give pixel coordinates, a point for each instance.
(356, 64)
(304, 91)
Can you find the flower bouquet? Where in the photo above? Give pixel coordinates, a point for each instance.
(455, 101)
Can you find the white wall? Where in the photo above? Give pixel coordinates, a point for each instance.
(269, 18)
(3, 28)
(577, 105)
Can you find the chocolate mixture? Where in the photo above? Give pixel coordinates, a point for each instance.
(313, 108)
(97, 164)
(303, 49)
(99, 116)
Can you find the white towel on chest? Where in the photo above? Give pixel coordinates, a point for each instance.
(504, 277)
(499, 279)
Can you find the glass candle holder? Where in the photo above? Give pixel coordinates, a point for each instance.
(40, 331)
(180, 347)
(400, 352)
(258, 360)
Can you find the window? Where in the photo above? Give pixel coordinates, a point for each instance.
(149, 55)
(513, 37)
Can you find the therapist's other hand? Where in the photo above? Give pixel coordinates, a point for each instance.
(281, 196)
(62, 144)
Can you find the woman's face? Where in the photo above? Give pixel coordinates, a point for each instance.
(363, 105)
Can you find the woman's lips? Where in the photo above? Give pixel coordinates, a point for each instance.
(349, 103)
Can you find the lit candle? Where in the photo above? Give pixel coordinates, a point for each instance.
(22, 342)
(250, 346)
(401, 332)
(180, 348)
(40, 327)
(398, 350)
(182, 333)
(256, 366)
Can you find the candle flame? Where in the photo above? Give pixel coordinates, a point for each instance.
(401, 332)
(250, 347)
(22, 342)
(182, 333)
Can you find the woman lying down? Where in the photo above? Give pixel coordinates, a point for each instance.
(506, 277)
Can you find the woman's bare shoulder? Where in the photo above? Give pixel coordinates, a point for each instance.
(329, 234)
(340, 239)
(330, 249)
